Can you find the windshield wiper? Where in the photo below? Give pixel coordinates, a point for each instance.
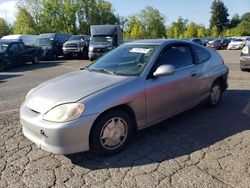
(102, 70)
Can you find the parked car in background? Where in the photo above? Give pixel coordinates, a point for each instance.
(52, 44)
(245, 58)
(16, 53)
(28, 40)
(132, 87)
(77, 45)
(215, 44)
(104, 38)
(225, 42)
(197, 41)
(236, 44)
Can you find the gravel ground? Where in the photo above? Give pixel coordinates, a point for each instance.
(199, 148)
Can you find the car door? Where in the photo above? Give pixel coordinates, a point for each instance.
(168, 95)
(23, 53)
(13, 54)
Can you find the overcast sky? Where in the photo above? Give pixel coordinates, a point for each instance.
(194, 10)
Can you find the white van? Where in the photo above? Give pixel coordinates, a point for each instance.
(28, 40)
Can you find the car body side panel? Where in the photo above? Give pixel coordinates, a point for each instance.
(167, 95)
(131, 93)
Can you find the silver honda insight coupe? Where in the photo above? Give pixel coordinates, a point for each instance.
(132, 87)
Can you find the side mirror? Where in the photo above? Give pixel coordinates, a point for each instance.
(164, 70)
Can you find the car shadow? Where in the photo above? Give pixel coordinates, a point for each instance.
(193, 130)
(30, 66)
(5, 77)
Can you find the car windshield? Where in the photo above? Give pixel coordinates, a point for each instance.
(76, 38)
(101, 40)
(216, 41)
(3, 47)
(127, 60)
(43, 42)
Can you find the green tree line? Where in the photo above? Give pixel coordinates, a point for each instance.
(76, 16)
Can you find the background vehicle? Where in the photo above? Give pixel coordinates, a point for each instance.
(225, 42)
(103, 39)
(132, 87)
(215, 44)
(28, 40)
(77, 45)
(197, 41)
(52, 44)
(236, 44)
(15, 53)
(245, 58)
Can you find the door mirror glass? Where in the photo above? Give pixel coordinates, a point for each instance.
(164, 70)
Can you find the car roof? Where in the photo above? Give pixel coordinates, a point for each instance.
(9, 41)
(155, 41)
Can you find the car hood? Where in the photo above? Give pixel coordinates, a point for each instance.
(69, 88)
(73, 42)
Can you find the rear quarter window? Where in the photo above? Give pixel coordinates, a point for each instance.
(202, 55)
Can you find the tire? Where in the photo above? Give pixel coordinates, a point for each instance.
(215, 95)
(35, 60)
(2, 66)
(243, 69)
(54, 57)
(111, 133)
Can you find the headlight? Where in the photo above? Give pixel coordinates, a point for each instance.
(91, 48)
(64, 112)
(245, 50)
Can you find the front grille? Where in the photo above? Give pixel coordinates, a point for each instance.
(71, 45)
(99, 50)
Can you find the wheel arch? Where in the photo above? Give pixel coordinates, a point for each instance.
(222, 81)
(124, 107)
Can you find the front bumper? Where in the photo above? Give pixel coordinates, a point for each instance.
(72, 50)
(58, 138)
(235, 47)
(95, 55)
(245, 62)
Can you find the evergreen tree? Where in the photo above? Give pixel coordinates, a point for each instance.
(235, 20)
(219, 16)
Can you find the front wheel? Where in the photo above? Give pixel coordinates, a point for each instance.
(2, 66)
(111, 133)
(35, 60)
(215, 95)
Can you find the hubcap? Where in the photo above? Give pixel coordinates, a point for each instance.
(215, 94)
(114, 133)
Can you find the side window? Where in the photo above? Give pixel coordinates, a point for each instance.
(179, 56)
(202, 54)
(13, 49)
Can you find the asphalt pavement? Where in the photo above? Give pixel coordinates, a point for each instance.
(202, 147)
